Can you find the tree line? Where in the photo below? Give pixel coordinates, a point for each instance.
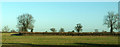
(25, 22)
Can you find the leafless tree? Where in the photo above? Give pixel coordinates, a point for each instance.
(5, 29)
(53, 29)
(25, 22)
(78, 28)
(96, 30)
(111, 20)
(61, 30)
(13, 30)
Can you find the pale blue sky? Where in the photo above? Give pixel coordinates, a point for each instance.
(59, 14)
(59, 0)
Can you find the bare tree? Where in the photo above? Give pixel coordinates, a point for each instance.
(25, 22)
(111, 21)
(96, 30)
(78, 28)
(31, 27)
(5, 29)
(53, 29)
(13, 30)
(61, 30)
(104, 31)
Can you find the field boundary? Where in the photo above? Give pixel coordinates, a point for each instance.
(66, 34)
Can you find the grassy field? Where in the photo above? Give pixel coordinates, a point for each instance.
(27, 41)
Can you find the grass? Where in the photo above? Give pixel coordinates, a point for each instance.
(58, 40)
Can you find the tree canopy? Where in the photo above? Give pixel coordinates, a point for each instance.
(5, 29)
(111, 20)
(61, 30)
(78, 28)
(53, 29)
(25, 22)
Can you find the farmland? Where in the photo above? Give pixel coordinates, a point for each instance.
(60, 24)
(55, 41)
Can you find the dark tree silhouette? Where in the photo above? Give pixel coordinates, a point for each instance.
(45, 31)
(111, 20)
(53, 29)
(61, 30)
(25, 22)
(78, 28)
(73, 31)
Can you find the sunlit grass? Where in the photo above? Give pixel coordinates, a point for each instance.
(59, 40)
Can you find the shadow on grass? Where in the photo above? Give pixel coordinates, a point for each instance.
(97, 45)
(32, 45)
(16, 34)
(78, 45)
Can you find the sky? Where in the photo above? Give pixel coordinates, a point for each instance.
(59, 14)
(59, 0)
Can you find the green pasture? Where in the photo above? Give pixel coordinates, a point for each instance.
(7, 39)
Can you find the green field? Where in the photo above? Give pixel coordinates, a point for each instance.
(27, 41)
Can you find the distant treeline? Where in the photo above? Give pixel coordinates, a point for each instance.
(69, 33)
(25, 23)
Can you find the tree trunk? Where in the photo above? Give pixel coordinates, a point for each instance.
(78, 31)
(31, 30)
(25, 29)
(111, 29)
